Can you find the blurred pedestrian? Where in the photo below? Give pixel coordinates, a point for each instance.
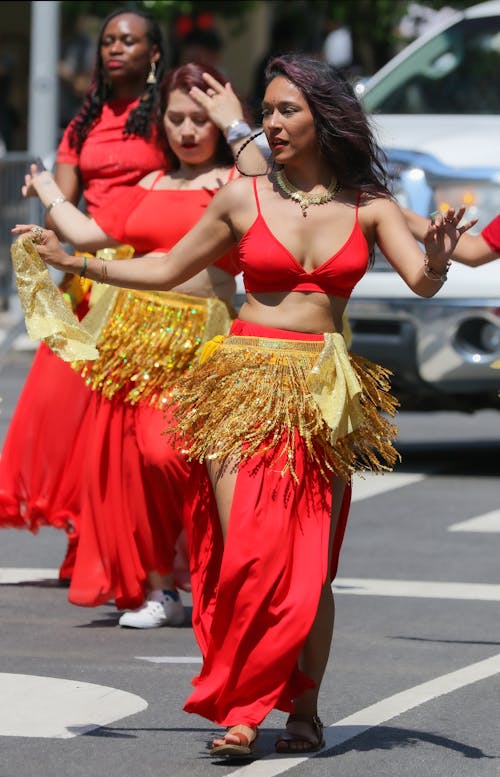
(76, 67)
(197, 39)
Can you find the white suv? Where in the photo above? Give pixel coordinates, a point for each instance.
(435, 108)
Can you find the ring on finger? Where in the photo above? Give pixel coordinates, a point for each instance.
(38, 234)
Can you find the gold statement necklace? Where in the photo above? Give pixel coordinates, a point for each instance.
(303, 198)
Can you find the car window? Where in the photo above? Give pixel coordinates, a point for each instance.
(456, 72)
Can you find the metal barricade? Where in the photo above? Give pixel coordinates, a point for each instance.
(14, 209)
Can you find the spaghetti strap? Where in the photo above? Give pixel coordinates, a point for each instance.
(357, 203)
(157, 178)
(256, 195)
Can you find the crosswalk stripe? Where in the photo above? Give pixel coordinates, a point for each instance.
(375, 715)
(12, 575)
(420, 589)
(368, 485)
(489, 522)
(171, 659)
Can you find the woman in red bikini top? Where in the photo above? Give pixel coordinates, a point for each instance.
(278, 415)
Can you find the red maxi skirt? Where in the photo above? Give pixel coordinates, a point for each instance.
(40, 465)
(131, 506)
(293, 411)
(42, 455)
(134, 478)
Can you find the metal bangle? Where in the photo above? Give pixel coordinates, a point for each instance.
(434, 275)
(104, 272)
(57, 201)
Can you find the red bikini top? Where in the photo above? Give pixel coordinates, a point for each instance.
(270, 267)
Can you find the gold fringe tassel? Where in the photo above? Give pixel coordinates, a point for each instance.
(146, 340)
(253, 394)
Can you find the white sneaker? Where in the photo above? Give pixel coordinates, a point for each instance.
(159, 609)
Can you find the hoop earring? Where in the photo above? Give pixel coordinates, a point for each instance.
(151, 79)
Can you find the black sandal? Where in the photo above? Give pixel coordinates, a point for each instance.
(287, 743)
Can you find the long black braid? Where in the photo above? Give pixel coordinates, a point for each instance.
(140, 120)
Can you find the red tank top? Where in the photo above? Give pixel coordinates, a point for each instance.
(154, 220)
(270, 267)
(108, 159)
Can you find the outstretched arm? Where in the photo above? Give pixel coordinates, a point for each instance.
(472, 250)
(423, 273)
(69, 222)
(208, 240)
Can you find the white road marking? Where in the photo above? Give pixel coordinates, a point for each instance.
(489, 522)
(60, 709)
(356, 586)
(417, 589)
(9, 575)
(375, 715)
(171, 659)
(367, 485)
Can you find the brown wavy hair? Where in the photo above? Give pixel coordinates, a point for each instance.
(345, 138)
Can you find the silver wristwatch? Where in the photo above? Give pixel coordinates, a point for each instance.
(237, 130)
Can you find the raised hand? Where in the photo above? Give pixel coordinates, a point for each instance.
(219, 101)
(444, 233)
(31, 179)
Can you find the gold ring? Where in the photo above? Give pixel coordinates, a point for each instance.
(38, 234)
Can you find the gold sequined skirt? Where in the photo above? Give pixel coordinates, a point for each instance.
(147, 340)
(250, 395)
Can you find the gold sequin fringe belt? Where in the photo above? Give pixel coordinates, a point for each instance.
(146, 340)
(250, 395)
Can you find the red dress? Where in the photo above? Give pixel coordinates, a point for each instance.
(134, 481)
(41, 462)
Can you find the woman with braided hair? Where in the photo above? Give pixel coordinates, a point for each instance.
(112, 142)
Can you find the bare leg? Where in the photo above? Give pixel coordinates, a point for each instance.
(158, 582)
(316, 650)
(223, 487)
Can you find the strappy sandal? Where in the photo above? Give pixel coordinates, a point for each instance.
(301, 743)
(244, 748)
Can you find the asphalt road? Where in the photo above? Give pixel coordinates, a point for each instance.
(413, 684)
